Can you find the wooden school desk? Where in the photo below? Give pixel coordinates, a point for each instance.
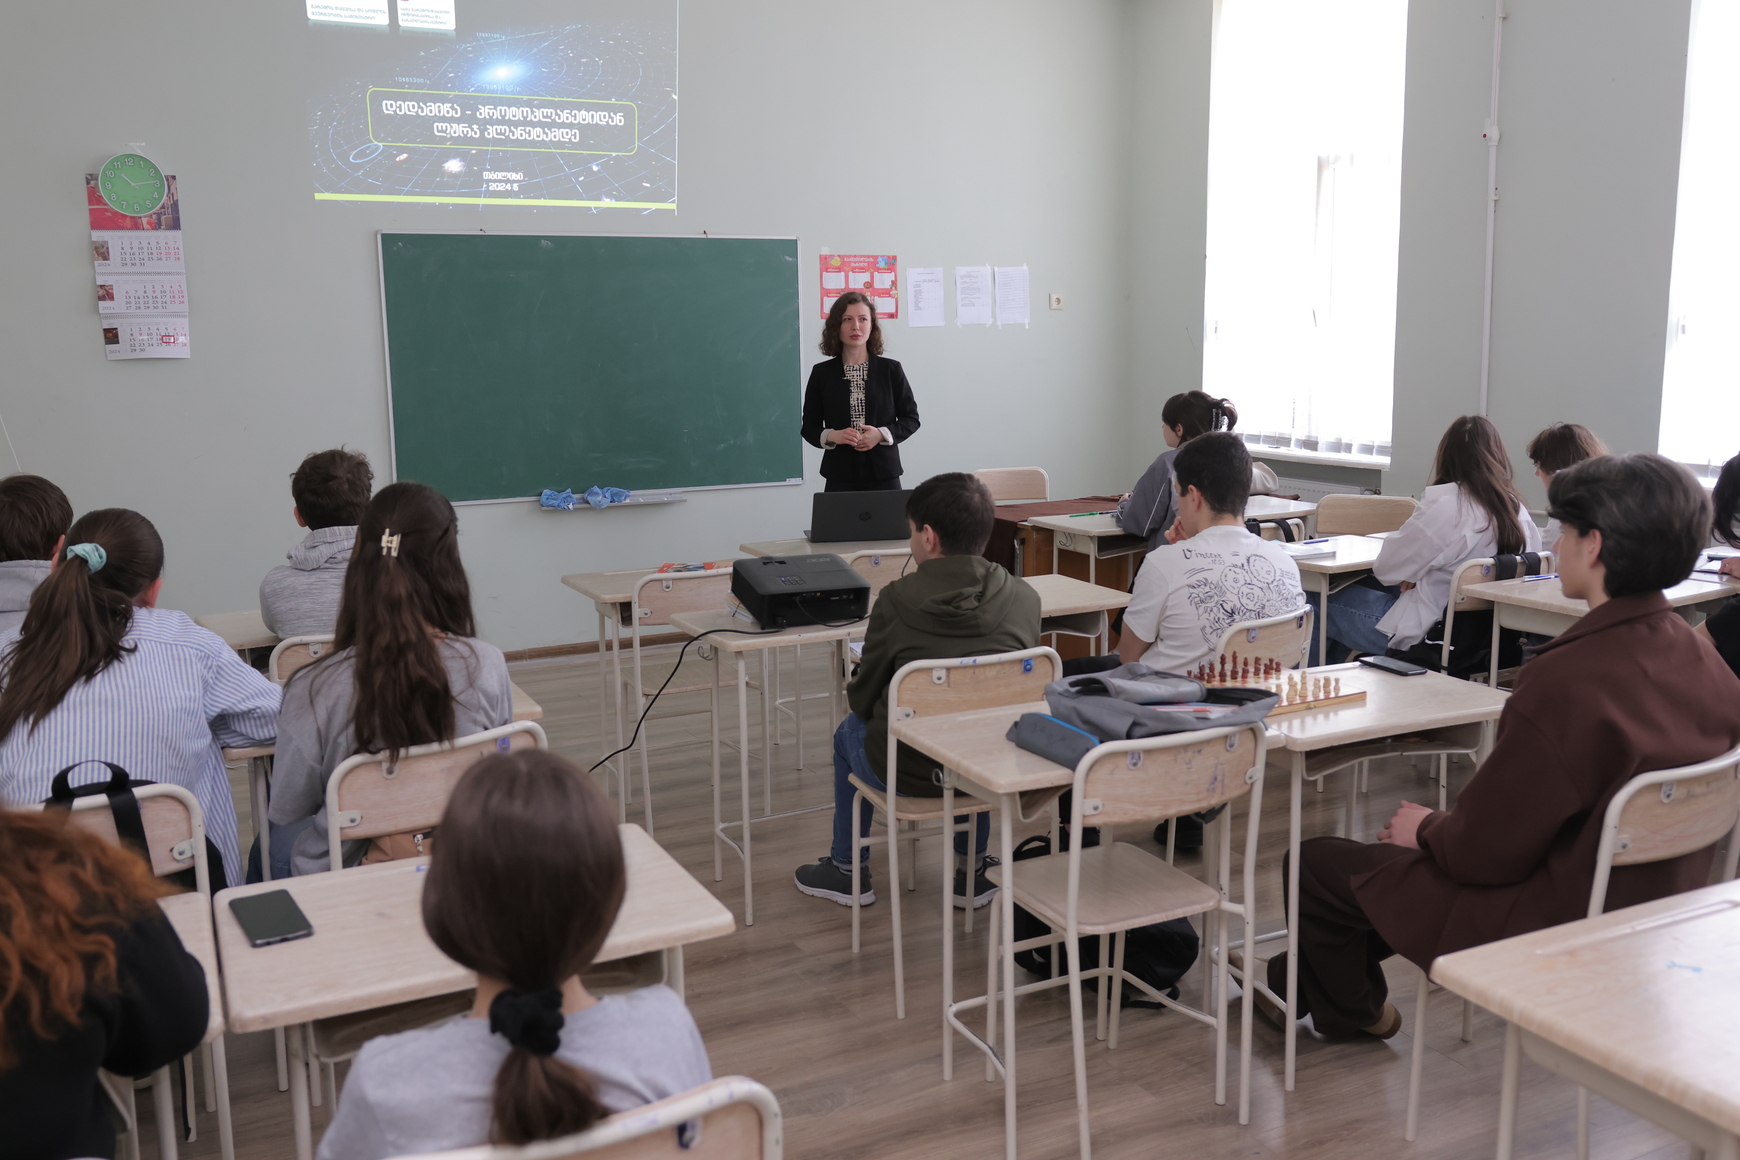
(190, 915)
(1094, 535)
(1541, 606)
(809, 548)
(1640, 1005)
(1075, 607)
(240, 630)
(369, 948)
(1316, 740)
(1353, 556)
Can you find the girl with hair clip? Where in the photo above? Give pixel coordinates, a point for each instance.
(523, 888)
(1722, 628)
(1472, 509)
(91, 976)
(405, 669)
(98, 671)
(1152, 508)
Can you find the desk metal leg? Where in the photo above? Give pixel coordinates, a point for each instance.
(1497, 620)
(300, 1116)
(1006, 898)
(259, 792)
(163, 1103)
(743, 771)
(767, 724)
(1508, 1091)
(1293, 821)
(675, 978)
(220, 1084)
(1322, 618)
(948, 926)
(718, 862)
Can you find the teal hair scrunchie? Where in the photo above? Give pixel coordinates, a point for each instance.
(92, 554)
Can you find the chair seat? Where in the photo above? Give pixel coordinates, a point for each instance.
(342, 1036)
(1122, 886)
(919, 809)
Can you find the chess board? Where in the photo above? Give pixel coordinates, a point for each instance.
(1299, 691)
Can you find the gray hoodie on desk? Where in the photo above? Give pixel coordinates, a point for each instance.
(301, 598)
(18, 579)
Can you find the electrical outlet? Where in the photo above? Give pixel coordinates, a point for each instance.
(1057, 302)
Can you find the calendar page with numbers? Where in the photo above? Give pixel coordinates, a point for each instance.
(117, 251)
(141, 294)
(164, 336)
(141, 276)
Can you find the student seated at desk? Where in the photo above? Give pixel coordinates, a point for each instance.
(91, 976)
(1629, 688)
(34, 517)
(1551, 451)
(405, 669)
(523, 888)
(300, 598)
(1151, 509)
(1722, 628)
(954, 603)
(1212, 573)
(98, 672)
(1471, 510)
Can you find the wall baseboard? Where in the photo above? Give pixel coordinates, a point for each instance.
(587, 647)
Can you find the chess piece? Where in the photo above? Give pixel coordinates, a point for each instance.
(1338, 686)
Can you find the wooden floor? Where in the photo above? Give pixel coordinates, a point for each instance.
(788, 1003)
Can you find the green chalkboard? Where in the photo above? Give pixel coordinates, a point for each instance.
(521, 362)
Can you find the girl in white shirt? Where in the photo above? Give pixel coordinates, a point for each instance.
(1471, 510)
(1557, 447)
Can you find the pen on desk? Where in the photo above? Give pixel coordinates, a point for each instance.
(1080, 515)
(1543, 576)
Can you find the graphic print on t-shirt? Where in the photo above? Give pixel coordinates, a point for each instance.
(1224, 594)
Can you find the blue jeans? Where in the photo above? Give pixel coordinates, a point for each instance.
(851, 758)
(283, 845)
(1353, 616)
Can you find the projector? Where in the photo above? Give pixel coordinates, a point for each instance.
(785, 591)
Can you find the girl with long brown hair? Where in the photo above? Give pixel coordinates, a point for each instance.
(405, 668)
(1471, 509)
(523, 888)
(99, 672)
(91, 976)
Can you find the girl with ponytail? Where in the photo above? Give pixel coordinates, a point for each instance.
(97, 672)
(405, 669)
(1152, 507)
(523, 888)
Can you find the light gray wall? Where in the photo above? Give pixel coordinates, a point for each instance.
(987, 131)
(1590, 107)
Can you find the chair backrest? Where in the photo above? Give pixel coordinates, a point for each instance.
(1013, 484)
(880, 568)
(1280, 638)
(369, 796)
(732, 1118)
(296, 652)
(1478, 571)
(960, 684)
(1150, 778)
(1668, 813)
(663, 594)
(174, 829)
(1361, 515)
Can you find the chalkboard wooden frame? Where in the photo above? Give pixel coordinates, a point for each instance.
(414, 301)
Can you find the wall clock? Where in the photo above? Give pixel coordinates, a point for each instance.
(132, 184)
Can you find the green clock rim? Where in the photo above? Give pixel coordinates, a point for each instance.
(162, 181)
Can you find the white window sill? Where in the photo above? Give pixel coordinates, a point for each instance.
(1332, 458)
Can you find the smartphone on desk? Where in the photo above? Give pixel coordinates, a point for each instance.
(1392, 665)
(271, 917)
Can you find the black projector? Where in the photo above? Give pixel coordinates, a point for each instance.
(786, 591)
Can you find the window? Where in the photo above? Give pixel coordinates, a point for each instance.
(1304, 205)
(1700, 397)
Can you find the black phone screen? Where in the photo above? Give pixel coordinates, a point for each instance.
(272, 917)
(1392, 665)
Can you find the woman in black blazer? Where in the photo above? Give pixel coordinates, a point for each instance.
(858, 405)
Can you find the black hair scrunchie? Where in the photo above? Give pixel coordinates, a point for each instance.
(529, 1019)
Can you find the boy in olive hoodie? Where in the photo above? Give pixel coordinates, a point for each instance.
(955, 603)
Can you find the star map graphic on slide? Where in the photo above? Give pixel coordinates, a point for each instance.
(583, 115)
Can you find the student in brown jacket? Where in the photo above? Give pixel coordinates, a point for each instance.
(1629, 689)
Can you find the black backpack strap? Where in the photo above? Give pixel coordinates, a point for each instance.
(123, 805)
(1504, 567)
(1532, 562)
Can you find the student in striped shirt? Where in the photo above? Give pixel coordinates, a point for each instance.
(97, 672)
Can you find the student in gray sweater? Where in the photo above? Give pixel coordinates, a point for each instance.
(524, 884)
(34, 517)
(300, 598)
(1152, 507)
(405, 669)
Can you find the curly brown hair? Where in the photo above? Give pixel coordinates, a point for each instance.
(831, 328)
(63, 894)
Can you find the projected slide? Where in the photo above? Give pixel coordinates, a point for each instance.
(498, 110)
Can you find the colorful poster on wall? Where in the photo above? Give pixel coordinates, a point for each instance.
(874, 274)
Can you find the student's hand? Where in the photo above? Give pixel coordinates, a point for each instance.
(869, 437)
(1731, 567)
(1404, 828)
(1406, 585)
(1176, 532)
(844, 438)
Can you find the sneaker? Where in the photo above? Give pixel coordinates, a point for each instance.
(823, 879)
(983, 888)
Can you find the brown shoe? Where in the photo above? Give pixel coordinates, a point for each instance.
(1387, 1025)
(1270, 1011)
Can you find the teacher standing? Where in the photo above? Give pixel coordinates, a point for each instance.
(858, 406)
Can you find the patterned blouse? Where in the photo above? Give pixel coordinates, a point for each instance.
(856, 376)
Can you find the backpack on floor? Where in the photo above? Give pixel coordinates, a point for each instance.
(1158, 954)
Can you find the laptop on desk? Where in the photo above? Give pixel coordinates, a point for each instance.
(838, 516)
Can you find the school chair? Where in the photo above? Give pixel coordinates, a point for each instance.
(1339, 514)
(1663, 814)
(1109, 889)
(296, 652)
(1481, 570)
(373, 796)
(1016, 484)
(174, 827)
(731, 1118)
(929, 689)
(1285, 638)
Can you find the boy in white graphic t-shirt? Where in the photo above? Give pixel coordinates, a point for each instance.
(1212, 573)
